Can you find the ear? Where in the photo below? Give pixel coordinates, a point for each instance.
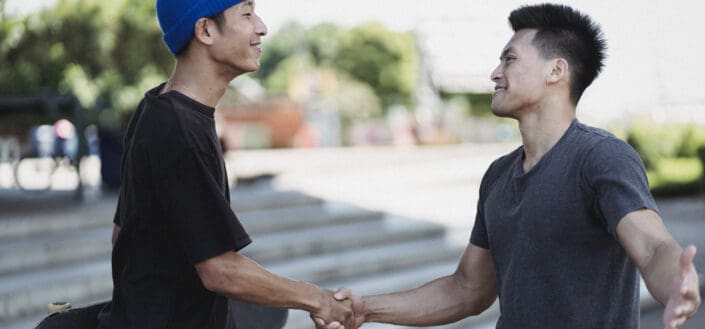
(203, 31)
(558, 70)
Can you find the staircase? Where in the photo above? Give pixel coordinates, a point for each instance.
(48, 255)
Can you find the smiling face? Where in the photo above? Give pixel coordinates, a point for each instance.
(520, 77)
(237, 40)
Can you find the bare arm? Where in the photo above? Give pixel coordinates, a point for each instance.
(116, 231)
(237, 276)
(667, 270)
(468, 291)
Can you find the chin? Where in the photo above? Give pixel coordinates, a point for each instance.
(500, 112)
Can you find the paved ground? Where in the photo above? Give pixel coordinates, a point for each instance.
(438, 184)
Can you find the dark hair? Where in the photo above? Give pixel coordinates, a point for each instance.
(567, 33)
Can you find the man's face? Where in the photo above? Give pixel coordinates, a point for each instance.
(520, 77)
(238, 40)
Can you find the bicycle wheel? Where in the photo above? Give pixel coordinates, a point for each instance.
(35, 174)
(9, 155)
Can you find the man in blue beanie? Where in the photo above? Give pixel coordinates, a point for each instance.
(176, 238)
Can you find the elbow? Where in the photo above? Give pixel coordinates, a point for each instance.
(477, 298)
(481, 304)
(210, 281)
(213, 276)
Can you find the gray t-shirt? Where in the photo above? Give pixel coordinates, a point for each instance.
(552, 233)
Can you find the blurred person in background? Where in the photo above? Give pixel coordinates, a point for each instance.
(176, 239)
(565, 221)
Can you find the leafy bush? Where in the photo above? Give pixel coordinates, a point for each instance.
(701, 156)
(654, 141)
(676, 177)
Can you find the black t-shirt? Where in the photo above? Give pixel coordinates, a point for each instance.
(174, 211)
(551, 232)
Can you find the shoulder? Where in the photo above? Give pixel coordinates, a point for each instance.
(165, 122)
(501, 164)
(596, 143)
(605, 153)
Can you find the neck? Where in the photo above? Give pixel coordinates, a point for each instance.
(541, 130)
(201, 81)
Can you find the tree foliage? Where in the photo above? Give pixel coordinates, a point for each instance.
(383, 59)
(386, 61)
(105, 52)
(108, 53)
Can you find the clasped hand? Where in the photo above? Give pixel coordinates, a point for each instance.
(358, 315)
(335, 311)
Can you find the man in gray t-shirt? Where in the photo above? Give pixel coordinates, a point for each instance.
(551, 232)
(565, 221)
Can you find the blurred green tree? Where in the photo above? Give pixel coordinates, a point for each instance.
(106, 52)
(385, 60)
(370, 54)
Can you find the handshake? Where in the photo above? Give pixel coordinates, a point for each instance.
(342, 310)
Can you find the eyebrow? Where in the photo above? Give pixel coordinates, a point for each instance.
(249, 3)
(506, 51)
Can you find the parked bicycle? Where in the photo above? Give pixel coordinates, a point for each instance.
(9, 156)
(50, 159)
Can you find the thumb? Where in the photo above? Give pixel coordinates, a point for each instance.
(686, 260)
(342, 294)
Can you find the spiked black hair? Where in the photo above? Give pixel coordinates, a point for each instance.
(567, 33)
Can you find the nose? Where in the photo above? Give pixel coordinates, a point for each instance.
(497, 73)
(260, 28)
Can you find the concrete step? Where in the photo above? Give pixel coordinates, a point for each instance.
(330, 239)
(257, 199)
(28, 293)
(39, 220)
(68, 246)
(26, 224)
(304, 217)
(52, 249)
(365, 260)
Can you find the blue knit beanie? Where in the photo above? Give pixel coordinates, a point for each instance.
(177, 18)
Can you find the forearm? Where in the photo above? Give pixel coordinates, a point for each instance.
(243, 279)
(662, 266)
(444, 300)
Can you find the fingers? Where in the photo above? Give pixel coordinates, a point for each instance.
(320, 324)
(335, 325)
(676, 323)
(686, 260)
(343, 293)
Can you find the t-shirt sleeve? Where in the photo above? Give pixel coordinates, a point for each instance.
(616, 174)
(479, 235)
(195, 205)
